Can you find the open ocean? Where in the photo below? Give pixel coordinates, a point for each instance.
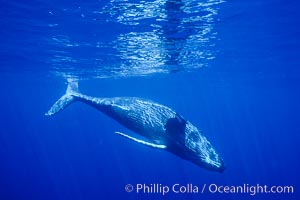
(232, 68)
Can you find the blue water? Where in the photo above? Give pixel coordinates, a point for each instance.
(229, 67)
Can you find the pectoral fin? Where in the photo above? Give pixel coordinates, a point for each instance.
(159, 146)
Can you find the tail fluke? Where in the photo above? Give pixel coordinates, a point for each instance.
(66, 99)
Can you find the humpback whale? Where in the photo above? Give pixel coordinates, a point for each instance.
(160, 126)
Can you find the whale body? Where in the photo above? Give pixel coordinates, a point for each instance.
(162, 127)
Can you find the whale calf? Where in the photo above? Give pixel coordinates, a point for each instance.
(160, 126)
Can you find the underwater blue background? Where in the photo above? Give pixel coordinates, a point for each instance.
(231, 68)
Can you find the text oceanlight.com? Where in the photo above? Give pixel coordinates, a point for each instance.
(157, 188)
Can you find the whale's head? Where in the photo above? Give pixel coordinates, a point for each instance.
(188, 143)
(200, 151)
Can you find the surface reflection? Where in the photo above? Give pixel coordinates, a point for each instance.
(134, 38)
(179, 35)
